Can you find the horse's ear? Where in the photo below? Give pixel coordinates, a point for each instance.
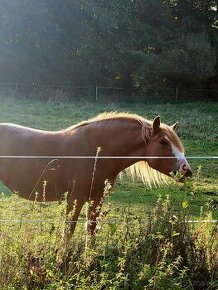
(175, 126)
(155, 126)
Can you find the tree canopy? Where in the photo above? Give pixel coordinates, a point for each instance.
(128, 43)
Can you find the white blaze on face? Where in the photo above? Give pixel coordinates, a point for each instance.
(183, 165)
(177, 153)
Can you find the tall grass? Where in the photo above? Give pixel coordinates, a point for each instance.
(165, 252)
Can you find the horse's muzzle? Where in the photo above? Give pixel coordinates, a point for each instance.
(185, 170)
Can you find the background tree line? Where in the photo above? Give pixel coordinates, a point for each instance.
(128, 43)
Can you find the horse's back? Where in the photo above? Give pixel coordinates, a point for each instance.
(26, 175)
(16, 139)
(11, 129)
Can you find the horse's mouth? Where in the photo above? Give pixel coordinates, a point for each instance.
(178, 177)
(182, 179)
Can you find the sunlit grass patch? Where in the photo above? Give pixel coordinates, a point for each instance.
(162, 251)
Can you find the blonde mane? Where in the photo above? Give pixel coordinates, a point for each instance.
(140, 170)
(149, 176)
(109, 116)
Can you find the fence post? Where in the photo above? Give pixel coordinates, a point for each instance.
(96, 93)
(177, 93)
(15, 94)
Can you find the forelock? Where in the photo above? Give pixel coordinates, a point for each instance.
(172, 136)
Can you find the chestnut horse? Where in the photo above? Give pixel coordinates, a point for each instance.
(34, 163)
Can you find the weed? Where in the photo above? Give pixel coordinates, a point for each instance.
(166, 252)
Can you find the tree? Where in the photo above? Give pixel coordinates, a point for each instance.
(129, 43)
(39, 40)
(152, 42)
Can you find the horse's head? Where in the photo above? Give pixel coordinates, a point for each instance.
(164, 142)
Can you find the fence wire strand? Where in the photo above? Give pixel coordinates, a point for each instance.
(83, 221)
(110, 221)
(99, 157)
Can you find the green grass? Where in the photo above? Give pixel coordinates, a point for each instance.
(198, 131)
(161, 253)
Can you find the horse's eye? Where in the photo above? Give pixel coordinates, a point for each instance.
(163, 142)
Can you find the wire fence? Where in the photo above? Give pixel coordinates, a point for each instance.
(105, 93)
(113, 220)
(55, 157)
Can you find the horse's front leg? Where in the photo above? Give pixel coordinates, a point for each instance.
(94, 213)
(72, 213)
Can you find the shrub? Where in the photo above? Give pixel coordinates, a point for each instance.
(166, 252)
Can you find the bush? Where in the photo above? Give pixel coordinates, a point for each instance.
(166, 252)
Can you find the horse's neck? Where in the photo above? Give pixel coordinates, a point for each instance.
(119, 137)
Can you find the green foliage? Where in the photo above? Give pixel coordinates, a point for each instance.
(39, 41)
(162, 42)
(125, 43)
(164, 253)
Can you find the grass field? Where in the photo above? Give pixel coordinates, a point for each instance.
(130, 201)
(198, 131)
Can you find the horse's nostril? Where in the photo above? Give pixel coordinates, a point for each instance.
(185, 170)
(184, 167)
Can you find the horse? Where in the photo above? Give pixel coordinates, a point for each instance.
(45, 165)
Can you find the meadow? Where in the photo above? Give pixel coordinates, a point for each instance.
(147, 244)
